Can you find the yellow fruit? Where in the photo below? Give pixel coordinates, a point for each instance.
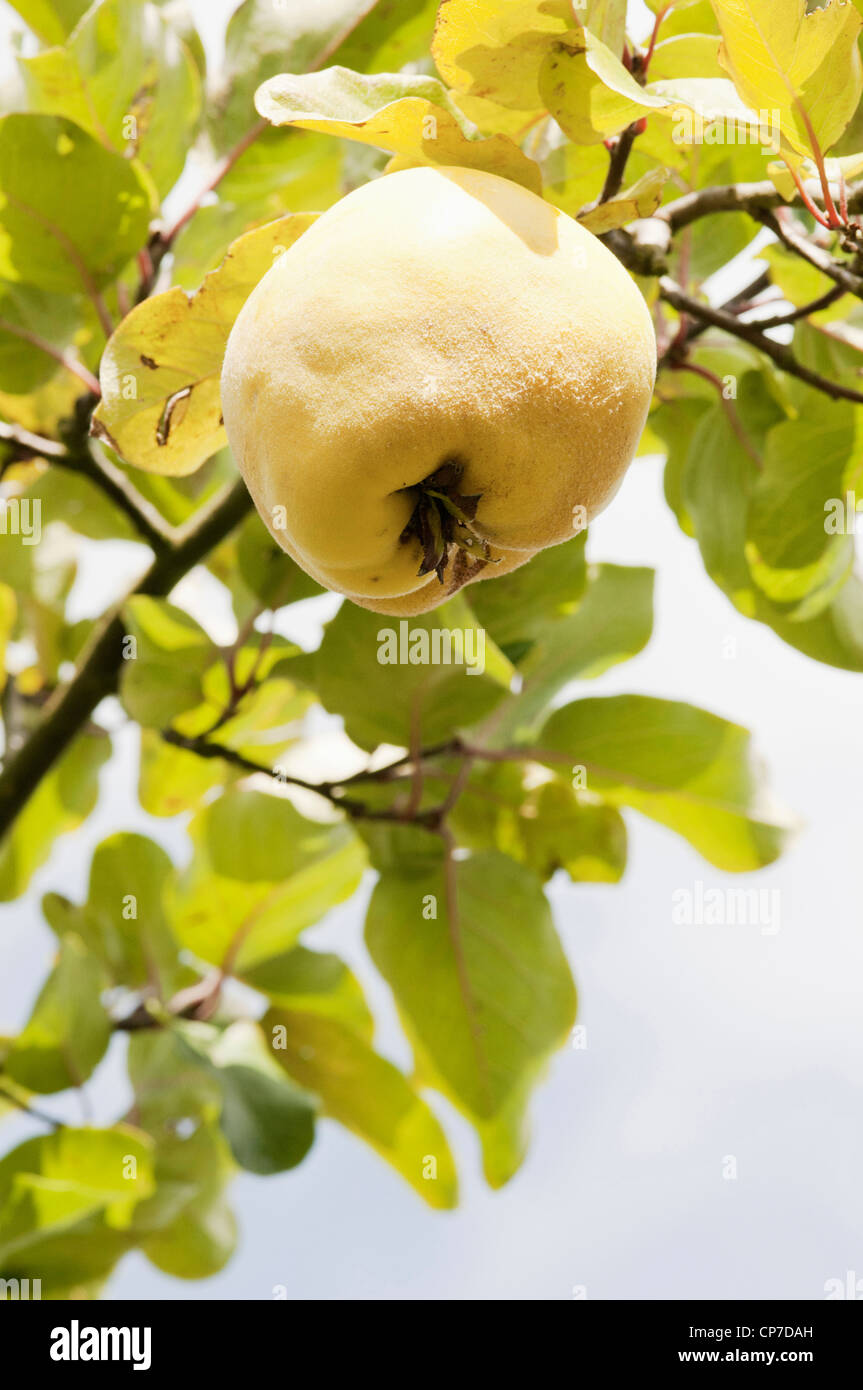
(443, 371)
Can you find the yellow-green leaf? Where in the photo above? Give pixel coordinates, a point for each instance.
(850, 166)
(592, 95)
(412, 117)
(805, 66)
(161, 407)
(367, 1094)
(686, 55)
(8, 613)
(641, 200)
(487, 49)
(589, 91)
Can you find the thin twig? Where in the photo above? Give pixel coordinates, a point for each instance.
(748, 333)
(29, 1109)
(168, 237)
(26, 444)
(618, 162)
(781, 227)
(751, 198)
(71, 706)
(814, 307)
(113, 483)
(202, 748)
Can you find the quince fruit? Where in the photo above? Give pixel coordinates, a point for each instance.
(444, 375)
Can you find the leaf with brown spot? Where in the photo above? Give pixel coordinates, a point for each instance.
(168, 418)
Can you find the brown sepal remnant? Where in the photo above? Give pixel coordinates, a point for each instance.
(442, 520)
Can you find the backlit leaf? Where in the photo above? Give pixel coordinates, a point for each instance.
(412, 117)
(161, 406)
(682, 766)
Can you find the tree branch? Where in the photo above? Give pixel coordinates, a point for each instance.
(618, 162)
(748, 333)
(72, 705)
(740, 197)
(145, 518)
(330, 791)
(28, 1109)
(168, 237)
(814, 307)
(808, 251)
(77, 457)
(27, 445)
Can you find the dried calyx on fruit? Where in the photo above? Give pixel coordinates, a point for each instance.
(442, 520)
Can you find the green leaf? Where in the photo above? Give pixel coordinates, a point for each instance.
(315, 981)
(261, 872)
(126, 78)
(8, 616)
(63, 799)
(612, 622)
(808, 464)
(172, 780)
(391, 34)
(588, 91)
(268, 1122)
(408, 848)
(684, 56)
(686, 768)
(641, 199)
(123, 922)
(413, 117)
(592, 95)
(574, 175)
(49, 1184)
(68, 1031)
(486, 49)
(54, 318)
(607, 20)
(261, 574)
(186, 1228)
(805, 66)
(71, 213)
(170, 1085)
(800, 282)
(564, 831)
(201, 1239)
(263, 39)
(674, 422)
(717, 484)
(368, 1095)
(71, 1263)
(520, 608)
(545, 827)
(83, 506)
(161, 405)
(834, 636)
(712, 246)
(485, 989)
(283, 170)
(363, 671)
(266, 723)
(686, 17)
(50, 20)
(163, 674)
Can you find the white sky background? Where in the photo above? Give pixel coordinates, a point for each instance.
(703, 1042)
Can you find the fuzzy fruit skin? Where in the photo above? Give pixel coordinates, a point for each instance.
(435, 314)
